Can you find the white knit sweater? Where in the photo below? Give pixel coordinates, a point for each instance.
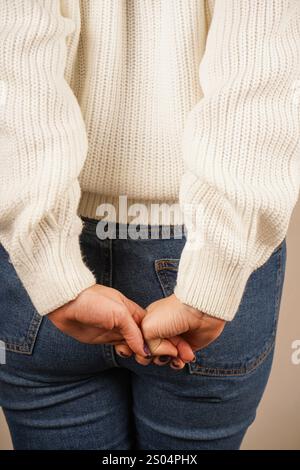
(156, 100)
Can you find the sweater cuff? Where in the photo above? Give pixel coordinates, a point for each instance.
(210, 284)
(57, 276)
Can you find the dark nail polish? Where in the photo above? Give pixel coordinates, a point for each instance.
(147, 351)
(164, 358)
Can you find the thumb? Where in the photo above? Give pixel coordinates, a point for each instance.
(185, 352)
(161, 347)
(136, 311)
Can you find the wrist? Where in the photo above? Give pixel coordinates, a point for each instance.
(205, 317)
(67, 309)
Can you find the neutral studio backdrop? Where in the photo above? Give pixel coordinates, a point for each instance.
(278, 421)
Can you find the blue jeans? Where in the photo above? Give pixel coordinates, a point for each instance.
(58, 393)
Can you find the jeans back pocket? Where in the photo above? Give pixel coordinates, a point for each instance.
(248, 339)
(19, 320)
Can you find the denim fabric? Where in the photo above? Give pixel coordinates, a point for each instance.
(57, 393)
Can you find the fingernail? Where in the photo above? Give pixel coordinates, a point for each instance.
(164, 358)
(120, 353)
(147, 351)
(175, 364)
(194, 359)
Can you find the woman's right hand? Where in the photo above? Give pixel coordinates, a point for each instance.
(101, 315)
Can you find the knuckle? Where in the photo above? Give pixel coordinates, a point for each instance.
(146, 328)
(120, 314)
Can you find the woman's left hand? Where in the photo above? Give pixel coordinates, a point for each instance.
(170, 317)
(189, 329)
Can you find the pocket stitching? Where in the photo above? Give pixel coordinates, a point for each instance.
(166, 263)
(27, 346)
(161, 266)
(218, 372)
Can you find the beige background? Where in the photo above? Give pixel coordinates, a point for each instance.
(278, 420)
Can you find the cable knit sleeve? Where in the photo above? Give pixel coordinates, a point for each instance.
(43, 147)
(241, 151)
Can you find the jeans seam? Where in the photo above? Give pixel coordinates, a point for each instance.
(164, 282)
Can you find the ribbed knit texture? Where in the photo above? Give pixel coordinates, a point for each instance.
(158, 100)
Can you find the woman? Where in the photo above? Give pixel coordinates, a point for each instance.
(104, 116)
